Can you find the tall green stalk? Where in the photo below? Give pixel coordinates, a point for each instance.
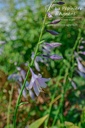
(77, 42)
(9, 107)
(31, 64)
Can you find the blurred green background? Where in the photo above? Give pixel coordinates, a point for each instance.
(20, 26)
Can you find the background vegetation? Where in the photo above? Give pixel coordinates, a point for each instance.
(19, 33)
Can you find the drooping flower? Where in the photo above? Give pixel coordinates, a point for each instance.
(80, 66)
(49, 46)
(15, 77)
(37, 83)
(37, 59)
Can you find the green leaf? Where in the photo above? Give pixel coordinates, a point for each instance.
(23, 103)
(70, 125)
(38, 122)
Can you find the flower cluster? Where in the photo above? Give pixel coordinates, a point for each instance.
(79, 56)
(37, 82)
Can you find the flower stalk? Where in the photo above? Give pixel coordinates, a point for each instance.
(30, 65)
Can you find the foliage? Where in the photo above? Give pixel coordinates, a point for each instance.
(20, 37)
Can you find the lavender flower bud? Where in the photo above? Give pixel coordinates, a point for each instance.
(52, 32)
(83, 53)
(81, 47)
(52, 45)
(56, 57)
(55, 21)
(53, 57)
(60, 3)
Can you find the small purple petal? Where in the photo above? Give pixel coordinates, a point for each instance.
(15, 77)
(36, 89)
(31, 93)
(27, 84)
(49, 15)
(73, 84)
(52, 32)
(80, 66)
(83, 53)
(81, 74)
(31, 83)
(81, 47)
(55, 21)
(42, 83)
(39, 59)
(56, 57)
(36, 65)
(23, 73)
(32, 79)
(45, 79)
(33, 75)
(24, 93)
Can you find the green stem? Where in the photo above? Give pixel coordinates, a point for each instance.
(31, 64)
(61, 101)
(66, 78)
(49, 111)
(9, 107)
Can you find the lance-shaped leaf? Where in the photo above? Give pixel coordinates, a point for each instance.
(52, 32)
(38, 122)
